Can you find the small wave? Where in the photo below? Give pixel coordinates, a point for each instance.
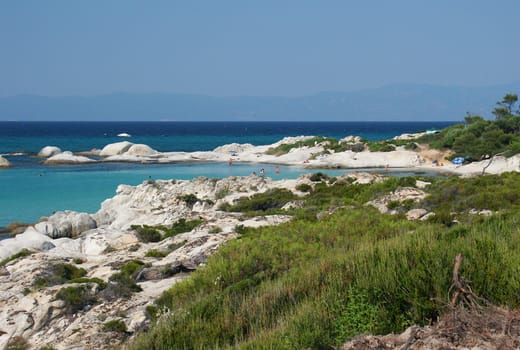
(18, 153)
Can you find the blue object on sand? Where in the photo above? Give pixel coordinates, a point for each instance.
(458, 161)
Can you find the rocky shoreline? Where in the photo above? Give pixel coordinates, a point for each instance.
(102, 245)
(314, 156)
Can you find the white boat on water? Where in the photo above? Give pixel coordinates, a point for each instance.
(124, 134)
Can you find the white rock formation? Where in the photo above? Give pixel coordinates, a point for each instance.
(141, 150)
(48, 151)
(399, 195)
(66, 224)
(40, 318)
(115, 148)
(67, 157)
(4, 163)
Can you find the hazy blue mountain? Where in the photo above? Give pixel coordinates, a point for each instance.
(403, 102)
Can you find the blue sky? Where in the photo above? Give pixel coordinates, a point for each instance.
(275, 48)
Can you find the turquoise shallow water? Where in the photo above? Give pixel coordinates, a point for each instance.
(29, 193)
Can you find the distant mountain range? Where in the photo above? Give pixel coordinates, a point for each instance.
(404, 102)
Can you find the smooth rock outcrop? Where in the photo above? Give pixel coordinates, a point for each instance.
(115, 148)
(66, 224)
(141, 150)
(67, 157)
(399, 195)
(30, 239)
(4, 163)
(48, 151)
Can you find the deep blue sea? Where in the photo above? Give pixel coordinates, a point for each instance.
(30, 190)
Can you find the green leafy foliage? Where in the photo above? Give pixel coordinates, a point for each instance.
(76, 298)
(154, 253)
(190, 199)
(264, 202)
(58, 273)
(147, 233)
(114, 326)
(122, 284)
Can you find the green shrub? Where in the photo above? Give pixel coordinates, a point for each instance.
(317, 177)
(147, 234)
(152, 312)
(215, 229)
(262, 202)
(102, 284)
(154, 253)
(58, 273)
(190, 199)
(22, 253)
(114, 326)
(304, 187)
(393, 205)
(76, 298)
(381, 146)
(122, 284)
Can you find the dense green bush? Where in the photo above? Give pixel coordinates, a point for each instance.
(114, 326)
(267, 201)
(58, 273)
(154, 253)
(190, 199)
(380, 146)
(122, 284)
(147, 233)
(304, 187)
(76, 298)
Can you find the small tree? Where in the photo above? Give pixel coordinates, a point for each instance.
(505, 108)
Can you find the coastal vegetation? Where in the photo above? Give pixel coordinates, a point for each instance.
(319, 280)
(479, 138)
(158, 233)
(474, 140)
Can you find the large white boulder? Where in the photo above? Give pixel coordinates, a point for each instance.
(30, 239)
(141, 150)
(113, 149)
(4, 163)
(48, 151)
(66, 224)
(67, 157)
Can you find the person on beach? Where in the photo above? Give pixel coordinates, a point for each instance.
(277, 170)
(230, 161)
(254, 173)
(262, 172)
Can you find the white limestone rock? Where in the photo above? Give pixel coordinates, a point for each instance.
(399, 195)
(48, 151)
(141, 150)
(4, 163)
(115, 148)
(67, 157)
(66, 224)
(30, 239)
(416, 214)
